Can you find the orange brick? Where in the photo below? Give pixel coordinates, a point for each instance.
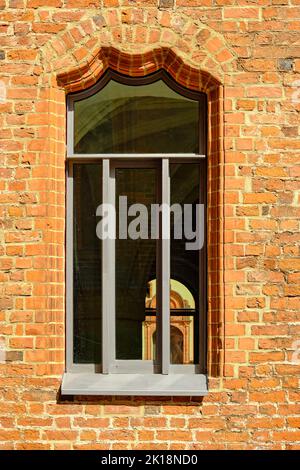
(252, 229)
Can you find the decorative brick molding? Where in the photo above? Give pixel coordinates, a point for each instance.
(82, 49)
(135, 65)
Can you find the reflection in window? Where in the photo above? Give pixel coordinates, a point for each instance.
(87, 259)
(185, 190)
(136, 263)
(136, 119)
(182, 306)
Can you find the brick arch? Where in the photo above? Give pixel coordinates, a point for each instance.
(70, 69)
(136, 65)
(78, 54)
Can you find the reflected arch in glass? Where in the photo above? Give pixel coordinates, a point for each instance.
(182, 323)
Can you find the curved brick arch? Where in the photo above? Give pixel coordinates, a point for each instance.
(191, 51)
(136, 65)
(202, 64)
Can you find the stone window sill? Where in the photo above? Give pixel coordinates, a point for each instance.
(134, 384)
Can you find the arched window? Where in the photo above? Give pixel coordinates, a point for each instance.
(136, 212)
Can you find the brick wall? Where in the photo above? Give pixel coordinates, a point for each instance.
(246, 56)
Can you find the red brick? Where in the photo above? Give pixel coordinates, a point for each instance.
(253, 218)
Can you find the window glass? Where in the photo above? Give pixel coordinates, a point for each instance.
(184, 288)
(182, 311)
(135, 262)
(136, 119)
(87, 264)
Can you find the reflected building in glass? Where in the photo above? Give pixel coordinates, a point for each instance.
(182, 311)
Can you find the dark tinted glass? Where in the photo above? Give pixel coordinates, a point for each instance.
(184, 287)
(135, 267)
(136, 119)
(87, 264)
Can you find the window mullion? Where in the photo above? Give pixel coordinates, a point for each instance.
(69, 268)
(165, 267)
(202, 274)
(108, 276)
(70, 127)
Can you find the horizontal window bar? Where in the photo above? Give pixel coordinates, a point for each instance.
(173, 312)
(137, 367)
(91, 156)
(85, 368)
(130, 366)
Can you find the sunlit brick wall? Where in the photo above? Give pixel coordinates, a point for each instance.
(246, 57)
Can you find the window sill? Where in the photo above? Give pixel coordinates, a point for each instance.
(134, 384)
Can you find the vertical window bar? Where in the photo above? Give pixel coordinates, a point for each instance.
(202, 273)
(108, 278)
(165, 267)
(69, 267)
(202, 125)
(158, 361)
(70, 127)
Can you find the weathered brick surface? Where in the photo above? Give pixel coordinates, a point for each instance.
(247, 58)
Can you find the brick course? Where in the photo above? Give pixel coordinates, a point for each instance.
(246, 58)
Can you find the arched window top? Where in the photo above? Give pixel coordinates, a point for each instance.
(141, 115)
(180, 295)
